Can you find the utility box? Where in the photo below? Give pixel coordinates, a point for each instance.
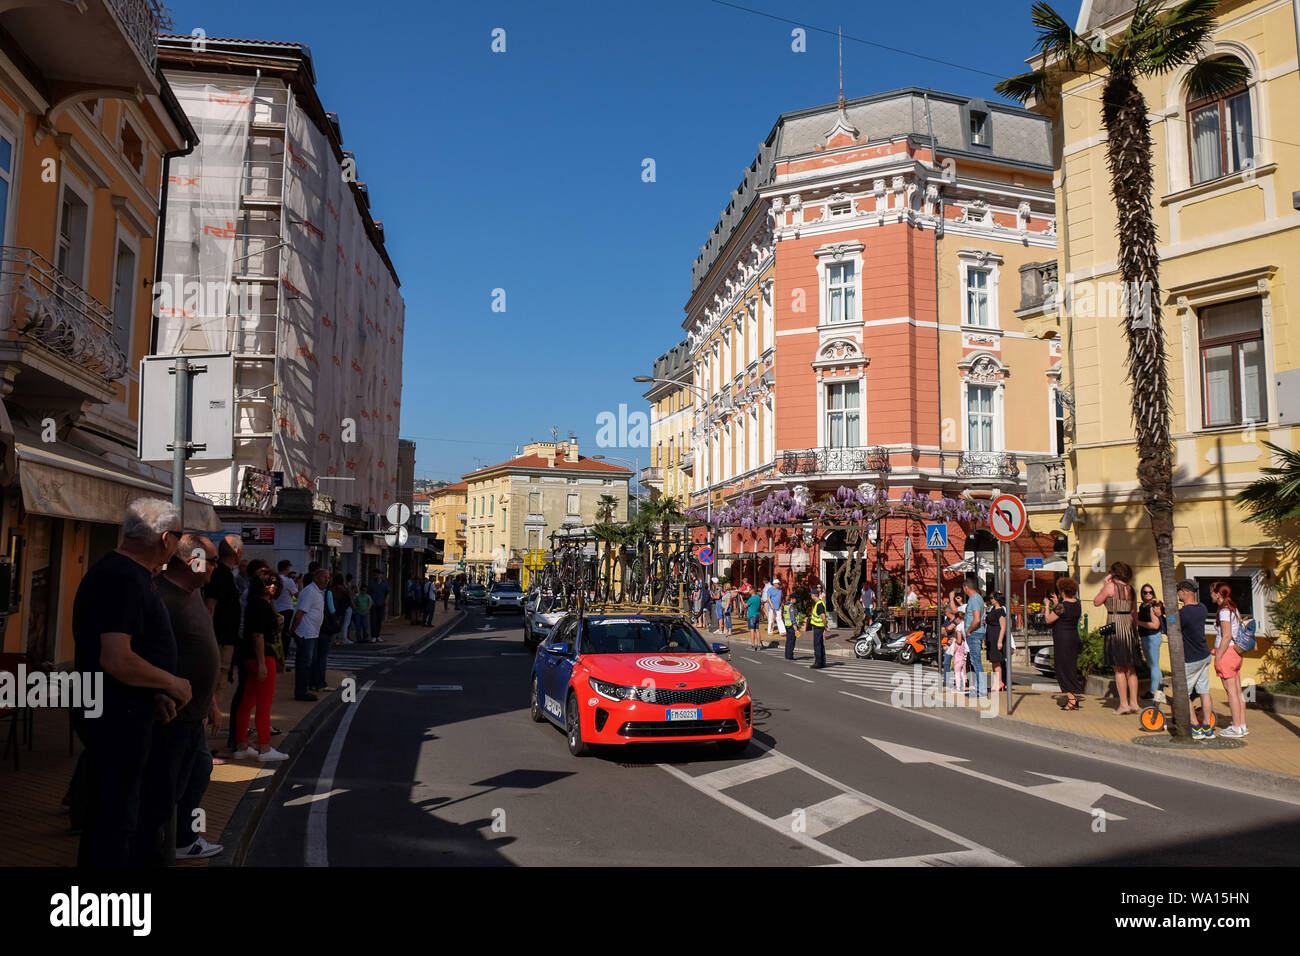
(1288, 397)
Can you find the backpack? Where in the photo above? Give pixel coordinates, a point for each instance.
(1243, 635)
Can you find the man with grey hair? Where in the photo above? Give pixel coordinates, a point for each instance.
(187, 762)
(122, 632)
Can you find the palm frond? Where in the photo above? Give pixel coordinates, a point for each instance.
(1056, 38)
(1025, 86)
(1210, 77)
(1275, 497)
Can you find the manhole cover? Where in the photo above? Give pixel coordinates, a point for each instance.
(1165, 742)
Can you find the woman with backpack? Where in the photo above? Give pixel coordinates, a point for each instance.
(1227, 657)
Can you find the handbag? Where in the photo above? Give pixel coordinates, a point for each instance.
(1106, 630)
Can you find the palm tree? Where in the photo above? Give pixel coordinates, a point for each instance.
(1277, 496)
(605, 508)
(1156, 42)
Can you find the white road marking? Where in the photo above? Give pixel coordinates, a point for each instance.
(756, 769)
(1067, 791)
(797, 677)
(439, 687)
(756, 660)
(312, 798)
(974, 851)
(834, 812)
(316, 851)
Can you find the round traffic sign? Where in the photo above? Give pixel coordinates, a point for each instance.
(1007, 517)
(706, 555)
(398, 513)
(397, 537)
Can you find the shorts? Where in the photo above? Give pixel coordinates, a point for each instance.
(1198, 676)
(1229, 666)
(753, 622)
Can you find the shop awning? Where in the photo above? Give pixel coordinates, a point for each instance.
(62, 480)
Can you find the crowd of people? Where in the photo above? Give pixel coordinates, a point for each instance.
(422, 594)
(181, 625)
(1133, 635)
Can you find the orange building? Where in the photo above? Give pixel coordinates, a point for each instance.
(857, 316)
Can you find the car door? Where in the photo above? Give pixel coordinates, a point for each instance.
(554, 670)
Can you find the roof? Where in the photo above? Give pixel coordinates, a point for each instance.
(445, 489)
(675, 365)
(537, 461)
(1019, 137)
(1093, 13)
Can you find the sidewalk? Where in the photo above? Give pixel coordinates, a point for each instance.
(34, 827)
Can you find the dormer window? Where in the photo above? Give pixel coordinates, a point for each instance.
(838, 209)
(979, 128)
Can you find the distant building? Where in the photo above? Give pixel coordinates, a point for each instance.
(672, 403)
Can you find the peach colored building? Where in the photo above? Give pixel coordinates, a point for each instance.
(857, 316)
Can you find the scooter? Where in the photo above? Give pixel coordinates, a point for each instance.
(916, 646)
(870, 643)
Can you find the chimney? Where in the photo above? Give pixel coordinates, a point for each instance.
(571, 449)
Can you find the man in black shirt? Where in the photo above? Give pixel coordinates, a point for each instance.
(188, 764)
(221, 594)
(122, 632)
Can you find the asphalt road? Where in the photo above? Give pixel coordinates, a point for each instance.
(438, 762)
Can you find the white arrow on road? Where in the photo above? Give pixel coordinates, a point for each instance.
(1067, 791)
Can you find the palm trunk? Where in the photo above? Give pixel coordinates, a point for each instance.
(1129, 155)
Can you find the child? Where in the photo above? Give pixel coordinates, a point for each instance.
(959, 661)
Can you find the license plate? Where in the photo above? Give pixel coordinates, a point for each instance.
(683, 713)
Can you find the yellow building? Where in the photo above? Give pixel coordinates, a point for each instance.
(672, 405)
(446, 519)
(1226, 169)
(83, 141)
(515, 505)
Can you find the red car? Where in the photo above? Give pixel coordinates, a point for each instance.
(621, 677)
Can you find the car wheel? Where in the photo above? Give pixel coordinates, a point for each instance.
(733, 748)
(535, 704)
(577, 746)
(907, 655)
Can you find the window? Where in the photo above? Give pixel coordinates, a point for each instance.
(70, 257)
(840, 304)
(751, 350)
(572, 506)
(1242, 595)
(1220, 134)
(534, 502)
(768, 337)
(838, 209)
(726, 451)
(979, 128)
(123, 298)
(1058, 420)
(979, 418)
(132, 149)
(1233, 380)
(6, 180)
(977, 297)
(492, 504)
(843, 411)
(753, 438)
(534, 538)
(473, 507)
(727, 367)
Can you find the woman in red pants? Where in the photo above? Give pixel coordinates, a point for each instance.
(258, 659)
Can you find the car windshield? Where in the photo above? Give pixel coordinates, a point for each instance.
(638, 635)
(507, 586)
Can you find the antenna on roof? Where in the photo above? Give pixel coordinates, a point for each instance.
(840, 31)
(555, 433)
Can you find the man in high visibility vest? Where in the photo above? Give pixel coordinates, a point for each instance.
(790, 618)
(818, 620)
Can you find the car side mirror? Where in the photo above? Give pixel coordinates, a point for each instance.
(721, 648)
(560, 650)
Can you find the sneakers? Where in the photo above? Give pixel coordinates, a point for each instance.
(272, 755)
(1158, 697)
(198, 850)
(1232, 730)
(1202, 732)
(246, 753)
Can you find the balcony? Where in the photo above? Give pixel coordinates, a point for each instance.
(89, 45)
(859, 460)
(1000, 465)
(687, 463)
(1039, 294)
(652, 476)
(1046, 481)
(57, 317)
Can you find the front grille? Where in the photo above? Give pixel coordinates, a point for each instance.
(677, 728)
(694, 695)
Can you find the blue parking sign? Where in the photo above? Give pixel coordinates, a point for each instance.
(936, 537)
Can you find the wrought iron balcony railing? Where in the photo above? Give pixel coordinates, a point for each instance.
(988, 464)
(47, 307)
(141, 21)
(834, 461)
(1046, 480)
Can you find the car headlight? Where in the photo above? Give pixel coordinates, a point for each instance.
(620, 692)
(739, 688)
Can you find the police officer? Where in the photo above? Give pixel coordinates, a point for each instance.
(819, 627)
(789, 618)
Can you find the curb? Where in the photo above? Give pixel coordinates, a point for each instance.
(1096, 685)
(242, 826)
(1265, 783)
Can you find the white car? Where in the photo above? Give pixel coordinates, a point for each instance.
(539, 618)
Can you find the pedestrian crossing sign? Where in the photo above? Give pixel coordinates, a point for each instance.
(936, 537)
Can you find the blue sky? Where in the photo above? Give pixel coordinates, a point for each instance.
(522, 171)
